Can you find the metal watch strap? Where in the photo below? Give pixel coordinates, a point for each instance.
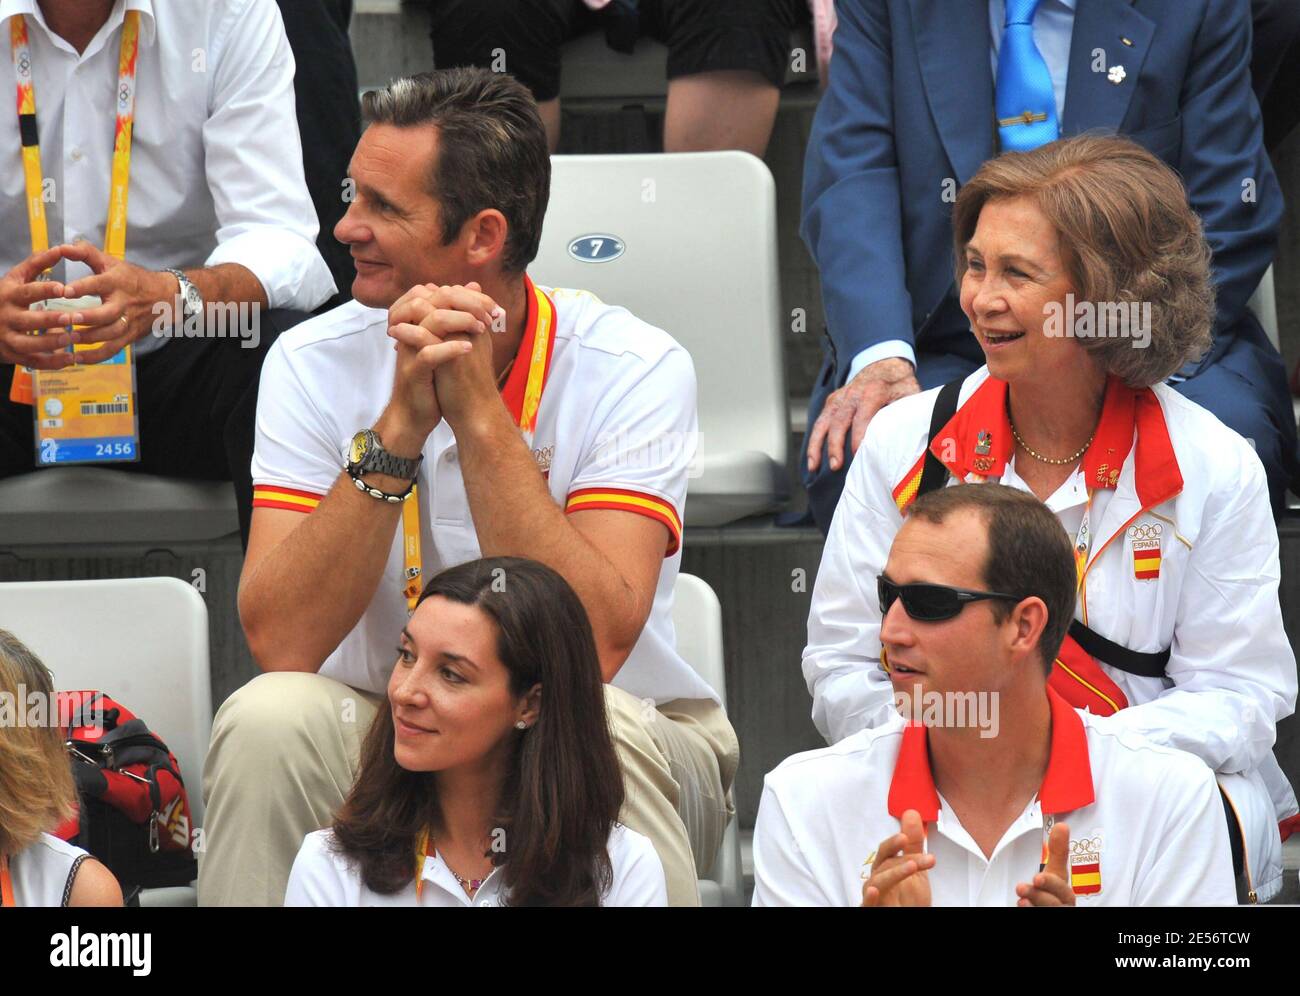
(380, 461)
(181, 281)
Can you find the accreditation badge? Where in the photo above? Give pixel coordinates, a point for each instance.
(86, 414)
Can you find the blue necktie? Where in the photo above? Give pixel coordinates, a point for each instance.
(1025, 102)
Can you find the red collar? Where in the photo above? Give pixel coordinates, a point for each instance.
(532, 364)
(978, 438)
(1066, 786)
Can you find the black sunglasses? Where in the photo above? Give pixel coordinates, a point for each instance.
(931, 602)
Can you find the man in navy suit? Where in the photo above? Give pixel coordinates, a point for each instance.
(909, 116)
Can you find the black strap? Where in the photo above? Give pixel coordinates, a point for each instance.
(72, 876)
(1235, 843)
(934, 473)
(1144, 665)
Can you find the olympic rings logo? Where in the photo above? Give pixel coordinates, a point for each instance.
(1088, 845)
(1153, 530)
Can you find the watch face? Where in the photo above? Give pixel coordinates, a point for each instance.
(359, 447)
(193, 299)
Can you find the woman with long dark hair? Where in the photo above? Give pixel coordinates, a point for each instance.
(491, 779)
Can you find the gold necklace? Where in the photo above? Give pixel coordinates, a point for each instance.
(1046, 459)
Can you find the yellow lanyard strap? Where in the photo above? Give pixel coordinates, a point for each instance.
(115, 230)
(411, 567)
(421, 849)
(544, 331)
(22, 54)
(119, 186)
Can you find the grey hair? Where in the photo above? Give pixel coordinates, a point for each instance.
(1128, 236)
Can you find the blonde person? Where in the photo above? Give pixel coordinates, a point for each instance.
(1086, 281)
(489, 776)
(36, 794)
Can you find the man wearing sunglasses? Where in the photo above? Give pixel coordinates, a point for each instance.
(1058, 808)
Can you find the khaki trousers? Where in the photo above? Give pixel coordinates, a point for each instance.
(285, 749)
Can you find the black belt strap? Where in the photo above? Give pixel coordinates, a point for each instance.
(1144, 665)
(934, 473)
(1235, 843)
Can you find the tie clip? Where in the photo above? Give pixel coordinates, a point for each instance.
(1029, 117)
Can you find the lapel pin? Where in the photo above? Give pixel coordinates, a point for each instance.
(1116, 75)
(1126, 41)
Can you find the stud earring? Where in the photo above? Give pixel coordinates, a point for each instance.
(521, 725)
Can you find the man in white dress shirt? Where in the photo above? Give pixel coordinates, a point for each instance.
(1044, 806)
(218, 216)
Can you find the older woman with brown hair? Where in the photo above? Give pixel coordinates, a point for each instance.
(37, 794)
(1086, 280)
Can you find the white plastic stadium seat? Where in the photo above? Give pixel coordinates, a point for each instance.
(1263, 305)
(142, 640)
(687, 242)
(697, 617)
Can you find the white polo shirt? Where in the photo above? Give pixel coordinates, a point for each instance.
(322, 876)
(616, 428)
(1146, 822)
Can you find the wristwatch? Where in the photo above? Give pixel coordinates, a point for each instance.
(191, 299)
(367, 455)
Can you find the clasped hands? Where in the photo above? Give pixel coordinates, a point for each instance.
(128, 295)
(899, 873)
(444, 356)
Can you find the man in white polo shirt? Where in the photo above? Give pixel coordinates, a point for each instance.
(529, 422)
(999, 793)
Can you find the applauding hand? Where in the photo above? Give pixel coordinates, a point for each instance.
(899, 873)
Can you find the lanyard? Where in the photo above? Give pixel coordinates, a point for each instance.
(421, 851)
(6, 884)
(1083, 543)
(543, 312)
(1049, 821)
(115, 227)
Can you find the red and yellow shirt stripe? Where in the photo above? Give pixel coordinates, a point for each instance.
(291, 499)
(622, 500)
(905, 491)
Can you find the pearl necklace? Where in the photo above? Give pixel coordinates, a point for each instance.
(1046, 459)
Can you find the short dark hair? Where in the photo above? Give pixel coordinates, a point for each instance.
(1029, 552)
(564, 787)
(492, 150)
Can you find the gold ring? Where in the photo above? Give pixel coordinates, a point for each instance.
(122, 319)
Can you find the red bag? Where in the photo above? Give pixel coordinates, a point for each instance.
(133, 811)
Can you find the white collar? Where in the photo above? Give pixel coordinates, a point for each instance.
(148, 26)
